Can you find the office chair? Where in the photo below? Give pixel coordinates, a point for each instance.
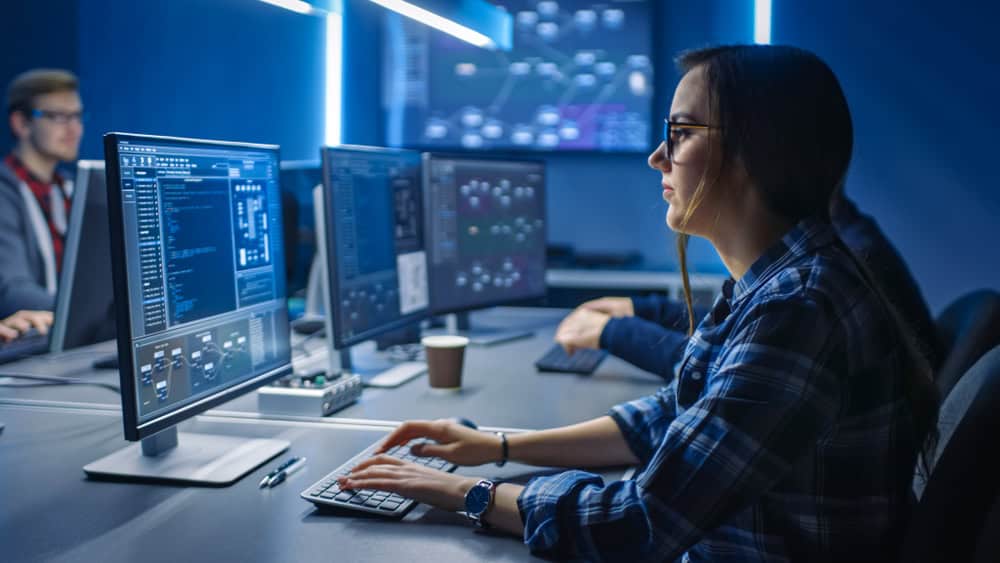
(967, 328)
(963, 484)
(988, 547)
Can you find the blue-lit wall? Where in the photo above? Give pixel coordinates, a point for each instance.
(39, 33)
(225, 69)
(923, 88)
(920, 82)
(222, 69)
(597, 202)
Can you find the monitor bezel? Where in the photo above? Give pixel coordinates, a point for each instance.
(426, 157)
(60, 314)
(133, 428)
(341, 342)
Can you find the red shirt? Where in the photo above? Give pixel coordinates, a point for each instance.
(43, 193)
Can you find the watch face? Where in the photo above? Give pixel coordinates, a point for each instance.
(477, 499)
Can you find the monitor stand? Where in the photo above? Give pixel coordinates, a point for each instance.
(193, 459)
(377, 370)
(484, 335)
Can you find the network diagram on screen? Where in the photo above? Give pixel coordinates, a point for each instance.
(487, 230)
(579, 77)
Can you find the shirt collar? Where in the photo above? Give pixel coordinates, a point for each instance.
(805, 236)
(28, 176)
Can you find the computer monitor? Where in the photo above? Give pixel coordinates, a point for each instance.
(579, 77)
(486, 236)
(85, 312)
(376, 263)
(298, 178)
(196, 254)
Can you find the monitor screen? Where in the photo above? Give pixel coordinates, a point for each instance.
(579, 78)
(84, 312)
(486, 231)
(298, 178)
(375, 244)
(197, 253)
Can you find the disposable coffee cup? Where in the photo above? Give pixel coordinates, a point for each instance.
(445, 356)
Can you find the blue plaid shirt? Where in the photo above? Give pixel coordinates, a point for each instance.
(785, 437)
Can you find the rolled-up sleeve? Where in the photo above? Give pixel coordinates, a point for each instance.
(644, 422)
(574, 514)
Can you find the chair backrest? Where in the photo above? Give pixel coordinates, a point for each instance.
(965, 479)
(966, 329)
(988, 548)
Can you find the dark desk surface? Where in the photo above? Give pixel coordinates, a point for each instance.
(501, 387)
(52, 512)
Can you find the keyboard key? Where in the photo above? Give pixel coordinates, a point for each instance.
(328, 495)
(343, 497)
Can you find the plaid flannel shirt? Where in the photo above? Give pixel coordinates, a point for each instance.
(785, 437)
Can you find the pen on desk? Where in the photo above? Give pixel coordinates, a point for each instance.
(265, 482)
(283, 473)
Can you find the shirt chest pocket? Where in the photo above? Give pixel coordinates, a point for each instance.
(691, 380)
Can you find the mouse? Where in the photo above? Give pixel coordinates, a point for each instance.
(464, 422)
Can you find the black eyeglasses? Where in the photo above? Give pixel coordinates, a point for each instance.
(60, 117)
(672, 131)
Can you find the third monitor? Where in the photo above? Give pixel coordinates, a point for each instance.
(486, 236)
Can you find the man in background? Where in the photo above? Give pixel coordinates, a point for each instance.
(45, 115)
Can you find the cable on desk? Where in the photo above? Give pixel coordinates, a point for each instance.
(301, 345)
(54, 380)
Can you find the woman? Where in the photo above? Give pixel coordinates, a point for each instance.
(801, 404)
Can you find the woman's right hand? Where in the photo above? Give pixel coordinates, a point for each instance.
(455, 443)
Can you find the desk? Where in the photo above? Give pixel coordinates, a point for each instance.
(500, 384)
(569, 287)
(50, 511)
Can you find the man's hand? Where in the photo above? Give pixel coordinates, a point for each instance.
(23, 321)
(581, 329)
(613, 306)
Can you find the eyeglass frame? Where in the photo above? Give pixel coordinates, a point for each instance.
(669, 126)
(60, 117)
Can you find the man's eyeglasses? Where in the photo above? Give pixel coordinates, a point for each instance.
(60, 117)
(673, 131)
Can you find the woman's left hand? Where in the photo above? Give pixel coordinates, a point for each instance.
(421, 483)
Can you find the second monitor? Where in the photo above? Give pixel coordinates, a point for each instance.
(373, 244)
(486, 236)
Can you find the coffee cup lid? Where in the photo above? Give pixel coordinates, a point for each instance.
(445, 341)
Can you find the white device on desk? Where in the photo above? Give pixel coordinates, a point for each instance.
(309, 395)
